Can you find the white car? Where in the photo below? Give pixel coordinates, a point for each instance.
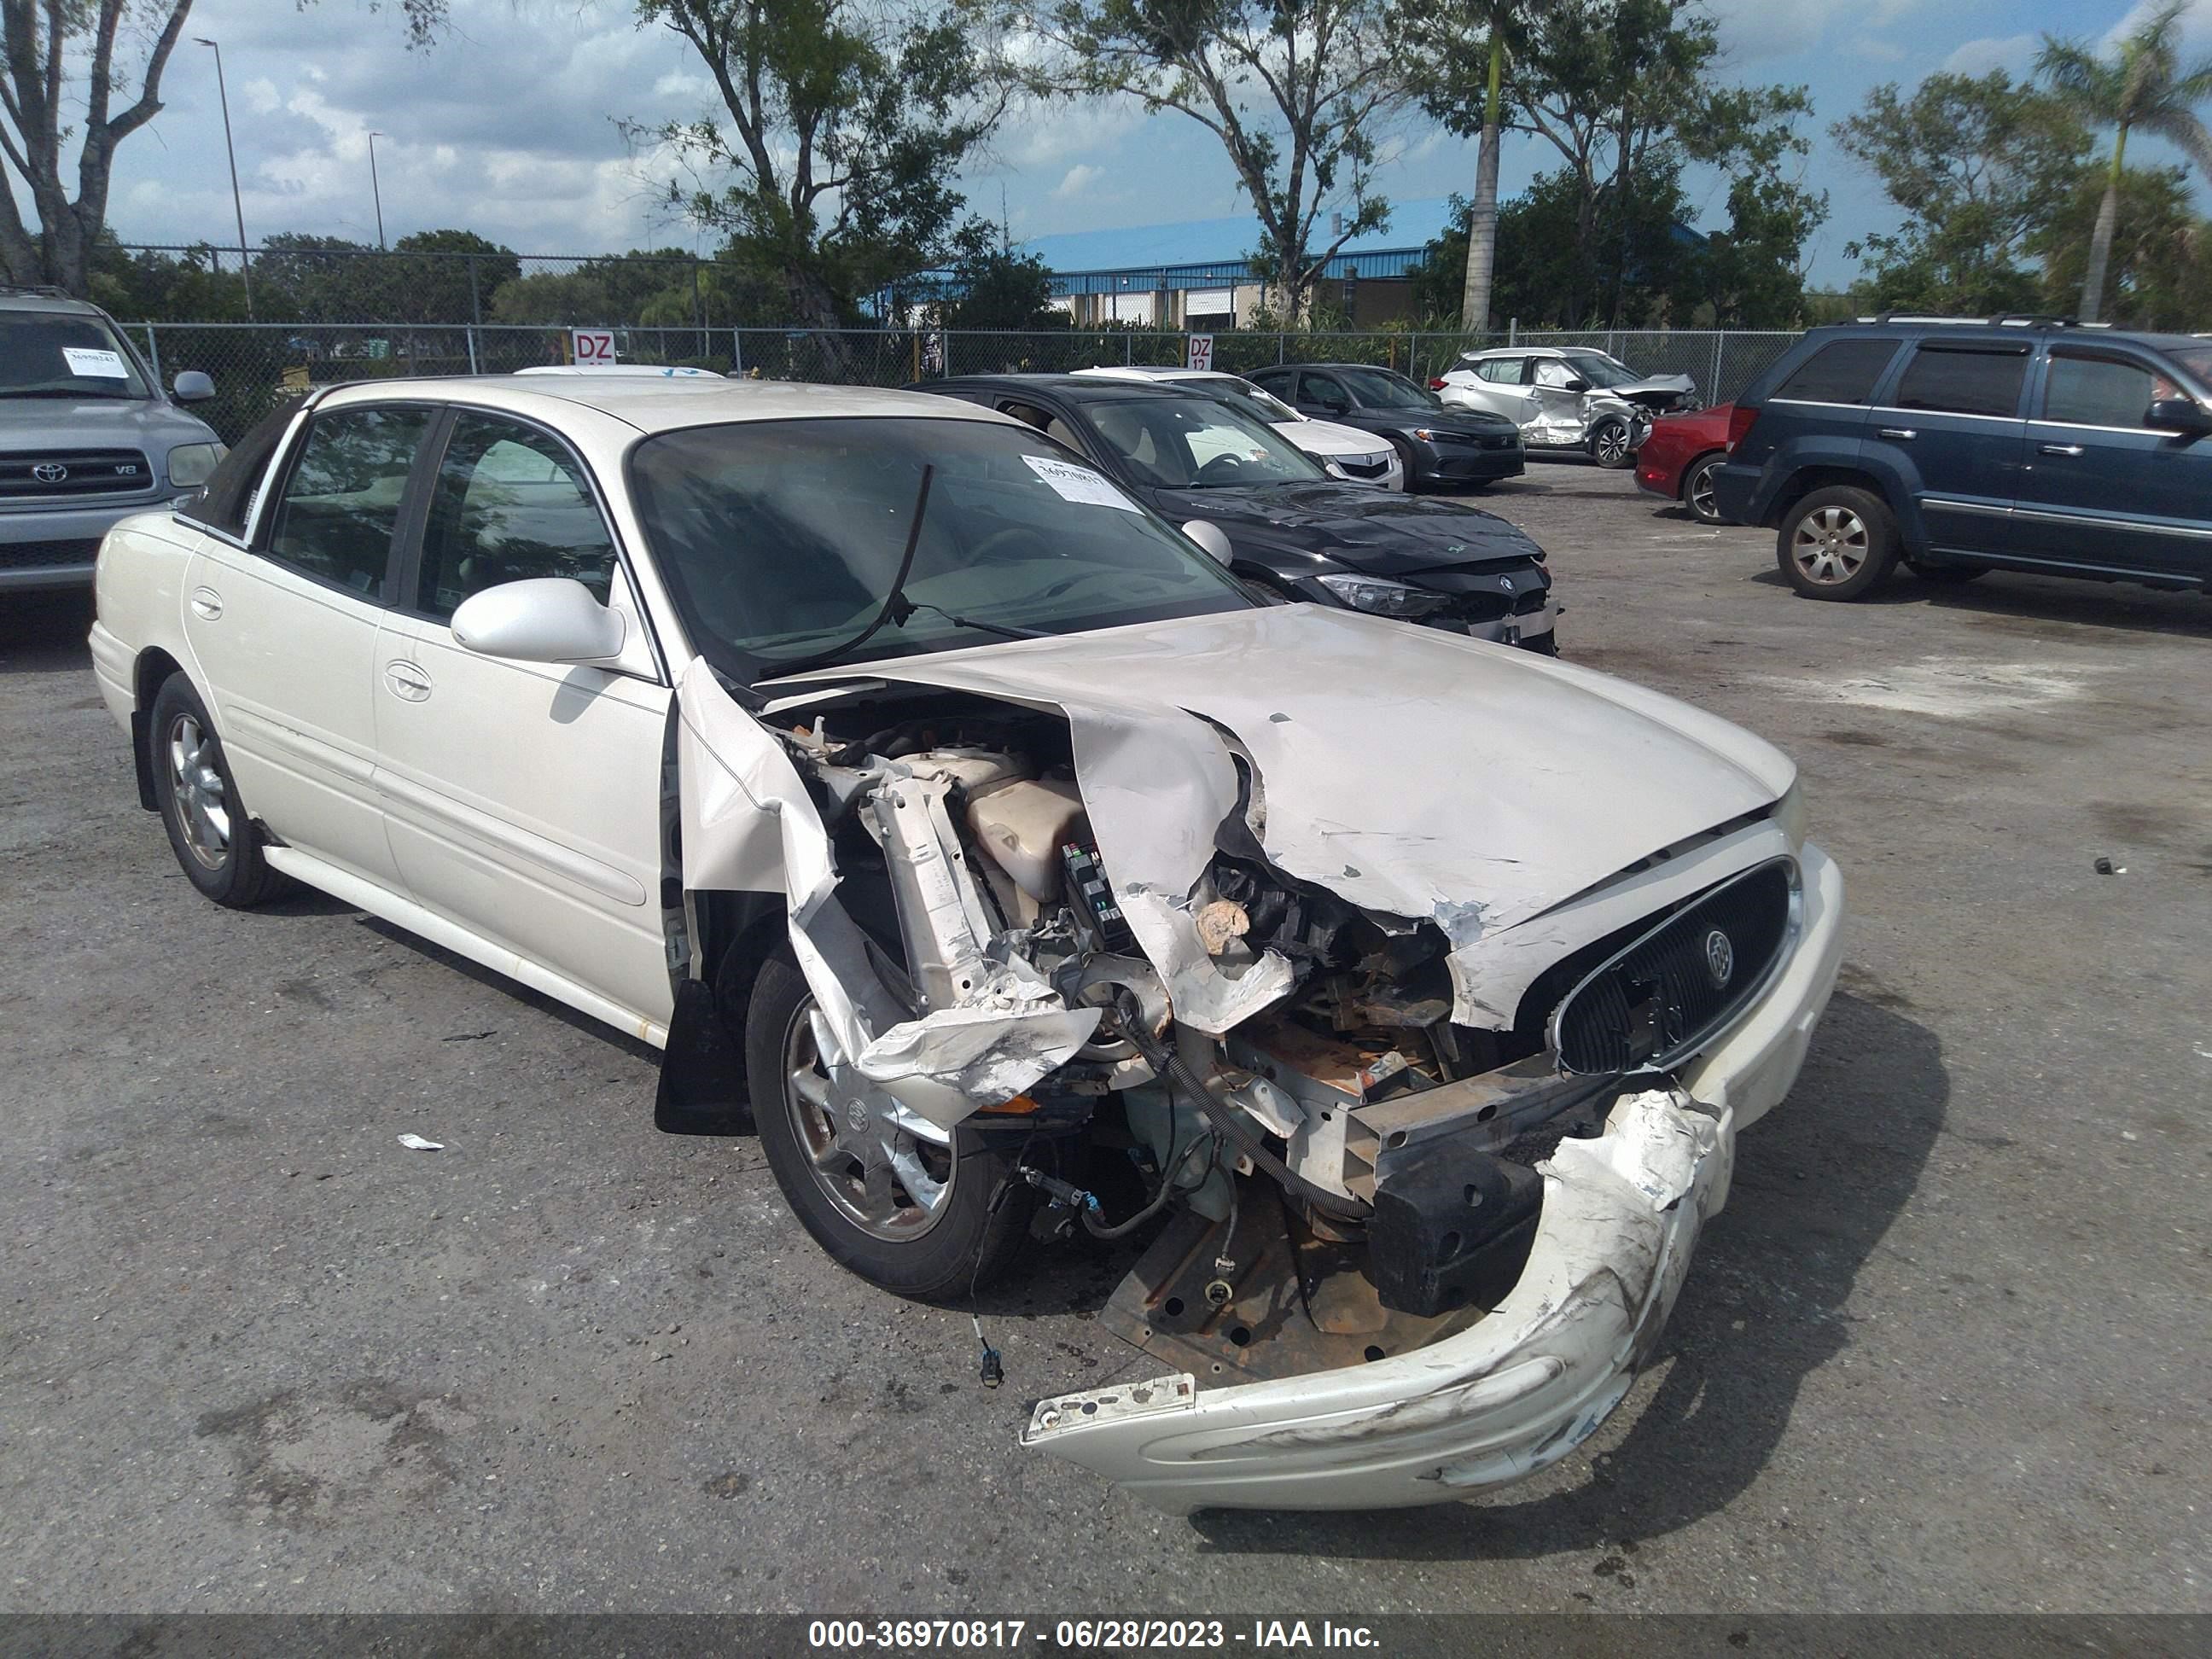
(890, 768)
(1567, 397)
(1358, 456)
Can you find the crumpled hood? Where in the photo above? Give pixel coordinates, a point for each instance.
(1657, 390)
(1381, 532)
(1411, 772)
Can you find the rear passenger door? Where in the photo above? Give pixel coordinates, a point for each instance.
(284, 633)
(1955, 428)
(523, 798)
(2100, 490)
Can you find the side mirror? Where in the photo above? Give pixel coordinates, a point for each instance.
(544, 619)
(193, 388)
(1575, 383)
(2183, 415)
(1210, 537)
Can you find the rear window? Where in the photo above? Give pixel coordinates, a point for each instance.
(1963, 382)
(1842, 371)
(225, 501)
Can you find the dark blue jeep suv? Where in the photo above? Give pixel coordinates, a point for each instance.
(1958, 446)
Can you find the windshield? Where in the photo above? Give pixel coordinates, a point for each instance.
(1197, 443)
(43, 354)
(779, 539)
(1247, 399)
(1601, 370)
(1378, 388)
(2197, 360)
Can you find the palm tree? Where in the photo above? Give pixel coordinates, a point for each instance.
(2143, 87)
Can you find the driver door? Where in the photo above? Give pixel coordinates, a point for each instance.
(523, 800)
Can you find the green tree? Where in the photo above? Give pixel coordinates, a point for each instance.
(844, 124)
(569, 299)
(1976, 164)
(2142, 85)
(1461, 49)
(994, 287)
(456, 286)
(1294, 89)
(2156, 274)
(66, 69)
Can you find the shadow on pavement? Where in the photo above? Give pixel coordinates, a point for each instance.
(40, 632)
(2045, 606)
(1818, 1182)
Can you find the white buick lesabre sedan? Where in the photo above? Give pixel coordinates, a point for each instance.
(898, 775)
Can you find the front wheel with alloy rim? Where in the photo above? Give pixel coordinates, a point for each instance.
(1697, 489)
(907, 1207)
(1839, 543)
(1611, 445)
(214, 840)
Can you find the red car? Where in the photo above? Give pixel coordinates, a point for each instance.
(1677, 460)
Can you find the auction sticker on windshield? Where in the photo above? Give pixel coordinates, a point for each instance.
(104, 365)
(1078, 483)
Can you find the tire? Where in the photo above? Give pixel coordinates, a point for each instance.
(1406, 460)
(1948, 576)
(215, 842)
(1610, 444)
(1697, 489)
(1838, 542)
(929, 1252)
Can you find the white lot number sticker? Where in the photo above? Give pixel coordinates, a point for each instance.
(1078, 483)
(95, 365)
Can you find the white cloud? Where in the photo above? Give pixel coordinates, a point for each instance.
(2014, 53)
(1078, 182)
(2195, 25)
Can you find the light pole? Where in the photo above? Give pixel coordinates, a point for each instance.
(375, 194)
(237, 204)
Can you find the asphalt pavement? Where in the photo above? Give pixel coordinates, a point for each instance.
(1946, 1349)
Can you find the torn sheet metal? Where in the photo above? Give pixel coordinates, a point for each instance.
(749, 826)
(1479, 823)
(1519, 1390)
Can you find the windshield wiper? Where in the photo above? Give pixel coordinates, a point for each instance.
(887, 612)
(67, 392)
(1002, 629)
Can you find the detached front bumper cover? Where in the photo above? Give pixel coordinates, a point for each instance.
(1513, 1393)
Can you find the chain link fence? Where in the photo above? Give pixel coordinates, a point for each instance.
(255, 365)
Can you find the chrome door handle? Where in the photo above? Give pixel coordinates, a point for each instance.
(1898, 432)
(207, 603)
(407, 681)
(2059, 449)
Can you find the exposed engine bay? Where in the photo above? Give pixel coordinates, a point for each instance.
(1111, 936)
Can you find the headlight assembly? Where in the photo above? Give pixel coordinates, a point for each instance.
(191, 466)
(1383, 599)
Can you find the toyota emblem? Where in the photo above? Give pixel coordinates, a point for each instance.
(1720, 957)
(49, 472)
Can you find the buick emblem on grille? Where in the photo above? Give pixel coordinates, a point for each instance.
(49, 472)
(1720, 957)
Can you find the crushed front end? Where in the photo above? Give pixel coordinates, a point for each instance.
(1425, 1125)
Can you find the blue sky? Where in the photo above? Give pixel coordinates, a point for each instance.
(507, 126)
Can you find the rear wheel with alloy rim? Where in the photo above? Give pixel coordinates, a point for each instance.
(1840, 543)
(215, 843)
(1697, 490)
(1611, 445)
(879, 1190)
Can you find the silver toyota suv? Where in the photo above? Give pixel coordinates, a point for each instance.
(86, 437)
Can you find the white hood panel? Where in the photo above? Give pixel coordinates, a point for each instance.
(1411, 772)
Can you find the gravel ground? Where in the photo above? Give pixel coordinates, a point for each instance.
(1946, 1348)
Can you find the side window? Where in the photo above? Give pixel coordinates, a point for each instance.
(1322, 392)
(510, 503)
(1554, 373)
(1842, 371)
(1963, 382)
(2098, 390)
(225, 502)
(340, 504)
(1505, 371)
